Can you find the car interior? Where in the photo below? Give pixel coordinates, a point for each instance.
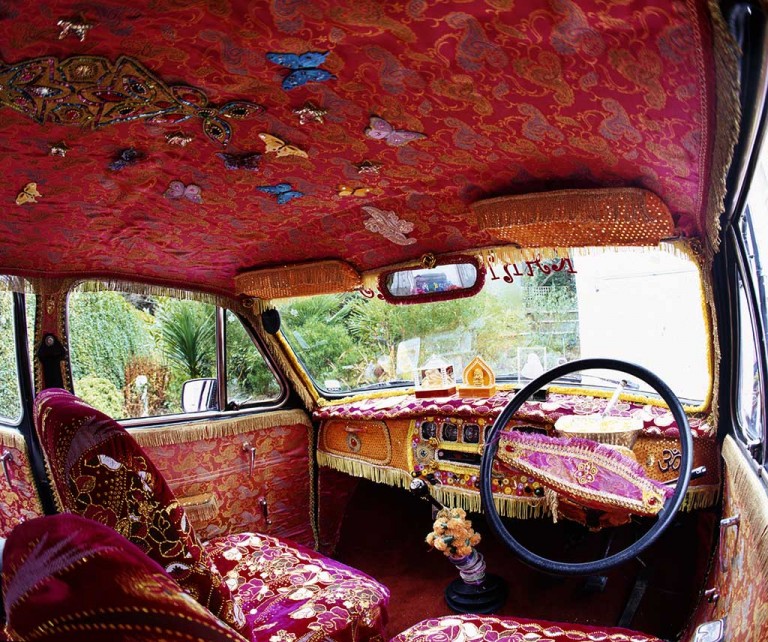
(369, 321)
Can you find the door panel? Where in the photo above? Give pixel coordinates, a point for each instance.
(739, 574)
(19, 499)
(208, 466)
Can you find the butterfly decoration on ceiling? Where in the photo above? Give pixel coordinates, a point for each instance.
(309, 113)
(125, 158)
(77, 28)
(247, 160)
(304, 67)
(177, 190)
(387, 223)
(368, 167)
(346, 190)
(380, 129)
(284, 192)
(28, 194)
(178, 138)
(278, 146)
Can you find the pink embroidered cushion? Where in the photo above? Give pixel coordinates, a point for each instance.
(100, 472)
(69, 578)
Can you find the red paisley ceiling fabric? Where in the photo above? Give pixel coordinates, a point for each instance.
(510, 97)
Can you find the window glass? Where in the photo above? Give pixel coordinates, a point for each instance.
(640, 305)
(131, 354)
(10, 396)
(249, 379)
(749, 398)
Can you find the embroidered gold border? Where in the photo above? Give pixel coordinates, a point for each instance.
(331, 423)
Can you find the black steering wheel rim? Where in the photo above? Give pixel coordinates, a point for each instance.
(665, 516)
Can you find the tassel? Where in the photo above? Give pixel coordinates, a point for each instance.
(552, 501)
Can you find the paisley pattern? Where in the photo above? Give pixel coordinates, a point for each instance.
(656, 421)
(487, 628)
(19, 500)
(510, 99)
(51, 566)
(220, 467)
(98, 471)
(288, 591)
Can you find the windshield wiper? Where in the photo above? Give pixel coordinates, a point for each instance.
(579, 378)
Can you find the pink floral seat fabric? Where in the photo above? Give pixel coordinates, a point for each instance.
(487, 628)
(254, 583)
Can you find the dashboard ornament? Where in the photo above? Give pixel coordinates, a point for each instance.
(479, 380)
(436, 379)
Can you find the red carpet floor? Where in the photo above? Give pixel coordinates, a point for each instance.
(383, 535)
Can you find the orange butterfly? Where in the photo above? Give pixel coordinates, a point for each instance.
(280, 147)
(28, 195)
(345, 190)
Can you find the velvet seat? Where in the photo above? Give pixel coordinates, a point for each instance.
(488, 628)
(70, 578)
(263, 587)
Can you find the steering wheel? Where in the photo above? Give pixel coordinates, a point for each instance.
(665, 516)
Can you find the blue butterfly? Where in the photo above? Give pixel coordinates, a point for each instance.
(283, 191)
(305, 67)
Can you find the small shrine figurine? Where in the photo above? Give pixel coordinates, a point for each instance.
(479, 380)
(436, 379)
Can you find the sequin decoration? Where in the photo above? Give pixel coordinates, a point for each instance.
(304, 67)
(177, 190)
(125, 158)
(275, 145)
(28, 194)
(59, 149)
(178, 138)
(380, 129)
(284, 192)
(77, 28)
(92, 91)
(247, 160)
(387, 223)
(310, 113)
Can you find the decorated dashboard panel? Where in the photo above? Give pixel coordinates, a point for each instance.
(446, 443)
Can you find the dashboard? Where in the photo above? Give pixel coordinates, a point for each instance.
(392, 440)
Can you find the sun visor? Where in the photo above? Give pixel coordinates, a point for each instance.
(577, 218)
(298, 279)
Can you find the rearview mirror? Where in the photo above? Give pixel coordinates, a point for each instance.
(435, 280)
(199, 395)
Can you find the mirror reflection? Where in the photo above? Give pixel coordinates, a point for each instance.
(425, 281)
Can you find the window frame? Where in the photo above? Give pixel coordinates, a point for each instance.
(221, 375)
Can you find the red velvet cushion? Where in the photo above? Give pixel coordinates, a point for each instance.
(69, 578)
(100, 472)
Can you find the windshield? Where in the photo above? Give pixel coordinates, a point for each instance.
(640, 305)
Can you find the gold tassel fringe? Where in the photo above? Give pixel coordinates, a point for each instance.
(12, 438)
(200, 509)
(379, 474)
(727, 120)
(298, 279)
(187, 432)
(700, 497)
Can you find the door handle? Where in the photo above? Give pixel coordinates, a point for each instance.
(726, 523)
(251, 450)
(265, 510)
(7, 458)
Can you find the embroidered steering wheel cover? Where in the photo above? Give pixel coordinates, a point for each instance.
(587, 472)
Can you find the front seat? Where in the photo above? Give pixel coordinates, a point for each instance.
(263, 587)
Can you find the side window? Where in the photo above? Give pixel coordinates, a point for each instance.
(10, 396)
(132, 355)
(249, 378)
(749, 399)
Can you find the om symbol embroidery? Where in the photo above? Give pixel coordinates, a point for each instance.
(670, 460)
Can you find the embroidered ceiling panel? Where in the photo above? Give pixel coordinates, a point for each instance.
(184, 142)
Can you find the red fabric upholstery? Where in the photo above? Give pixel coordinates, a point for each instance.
(99, 471)
(487, 628)
(70, 578)
(287, 590)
